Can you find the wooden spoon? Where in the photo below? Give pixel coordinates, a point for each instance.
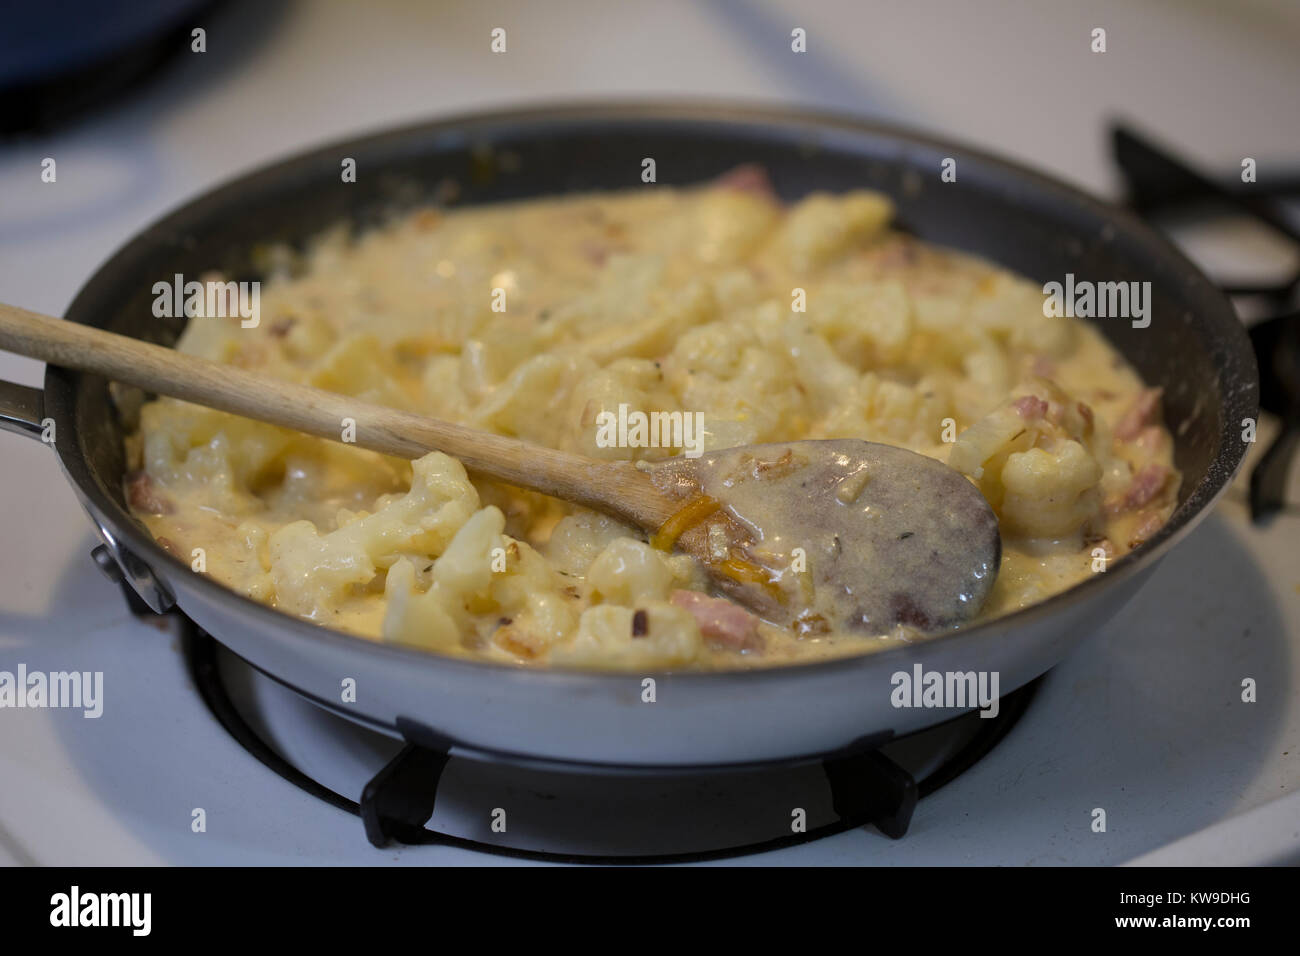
(839, 535)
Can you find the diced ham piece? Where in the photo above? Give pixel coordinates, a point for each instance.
(720, 621)
(1142, 490)
(747, 178)
(1144, 410)
(144, 496)
(1030, 407)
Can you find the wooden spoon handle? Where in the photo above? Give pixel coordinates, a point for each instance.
(616, 488)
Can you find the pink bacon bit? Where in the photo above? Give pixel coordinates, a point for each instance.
(747, 178)
(1030, 407)
(720, 621)
(1142, 490)
(143, 495)
(1144, 410)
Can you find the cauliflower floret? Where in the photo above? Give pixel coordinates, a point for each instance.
(359, 365)
(621, 638)
(482, 574)
(200, 450)
(980, 450)
(821, 226)
(1050, 494)
(512, 407)
(579, 538)
(535, 608)
(713, 349)
(629, 382)
(460, 584)
(313, 572)
(416, 618)
(629, 571)
(1033, 462)
(868, 324)
(730, 223)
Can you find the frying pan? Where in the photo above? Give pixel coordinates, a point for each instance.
(1194, 347)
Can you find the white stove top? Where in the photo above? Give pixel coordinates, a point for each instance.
(1145, 721)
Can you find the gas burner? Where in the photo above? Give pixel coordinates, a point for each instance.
(413, 786)
(1166, 189)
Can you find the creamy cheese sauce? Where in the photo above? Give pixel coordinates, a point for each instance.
(773, 322)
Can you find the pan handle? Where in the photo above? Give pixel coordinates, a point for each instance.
(22, 409)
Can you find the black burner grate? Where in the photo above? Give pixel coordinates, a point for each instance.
(1160, 183)
(866, 787)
